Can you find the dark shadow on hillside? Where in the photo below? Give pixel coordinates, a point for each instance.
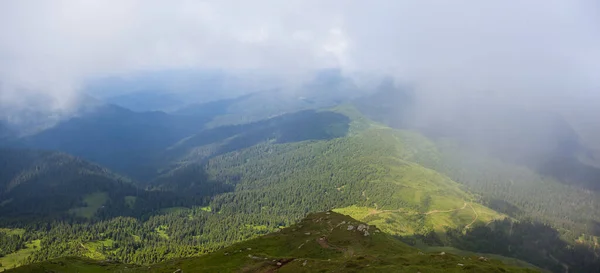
(288, 128)
(535, 243)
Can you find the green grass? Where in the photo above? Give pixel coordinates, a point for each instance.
(319, 243)
(16, 258)
(207, 209)
(356, 212)
(93, 202)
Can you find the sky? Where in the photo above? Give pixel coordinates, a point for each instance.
(535, 52)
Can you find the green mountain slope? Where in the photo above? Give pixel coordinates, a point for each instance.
(400, 181)
(364, 172)
(322, 242)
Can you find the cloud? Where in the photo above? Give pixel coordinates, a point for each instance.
(541, 51)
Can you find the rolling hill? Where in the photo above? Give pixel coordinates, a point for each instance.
(322, 242)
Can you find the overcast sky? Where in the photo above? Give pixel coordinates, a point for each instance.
(540, 51)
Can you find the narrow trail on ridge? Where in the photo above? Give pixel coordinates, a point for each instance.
(476, 216)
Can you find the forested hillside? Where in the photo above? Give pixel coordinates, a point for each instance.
(217, 186)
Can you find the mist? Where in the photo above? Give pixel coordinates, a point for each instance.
(533, 54)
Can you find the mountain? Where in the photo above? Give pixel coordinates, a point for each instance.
(132, 142)
(309, 161)
(177, 89)
(214, 185)
(115, 137)
(236, 182)
(255, 107)
(168, 90)
(321, 242)
(288, 128)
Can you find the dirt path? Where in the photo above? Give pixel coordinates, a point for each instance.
(443, 211)
(476, 216)
(375, 211)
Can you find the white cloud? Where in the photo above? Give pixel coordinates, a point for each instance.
(527, 48)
